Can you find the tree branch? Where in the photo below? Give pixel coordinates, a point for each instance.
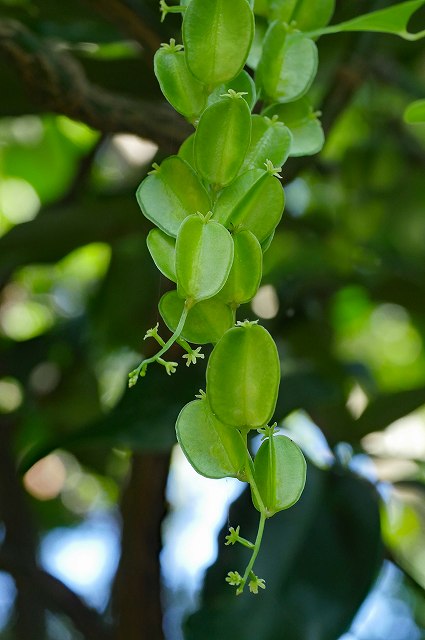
(57, 82)
(20, 538)
(138, 576)
(119, 13)
(36, 588)
(55, 595)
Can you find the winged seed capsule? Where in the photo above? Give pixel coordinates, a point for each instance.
(245, 274)
(255, 200)
(288, 63)
(222, 139)
(243, 377)
(204, 256)
(280, 473)
(213, 450)
(182, 90)
(217, 35)
(170, 193)
(206, 322)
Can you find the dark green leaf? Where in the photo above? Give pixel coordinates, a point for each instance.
(319, 560)
(391, 20)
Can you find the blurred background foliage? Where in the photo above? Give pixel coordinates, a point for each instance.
(85, 475)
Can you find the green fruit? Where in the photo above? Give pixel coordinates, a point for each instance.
(243, 377)
(213, 450)
(243, 83)
(307, 133)
(253, 59)
(217, 36)
(265, 245)
(183, 91)
(222, 139)
(245, 274)
(280, 473)
(170, 193)
(288, 64)
(254, 201)
(204, 256)
(163, 251)
(270, 140)
(307, 14)
(206, 322)
(187, 151)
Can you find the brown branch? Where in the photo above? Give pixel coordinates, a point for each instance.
(20, 538)
(55, 595)
(56, 81)
(37, 589)
(136, 596)
(130, 21)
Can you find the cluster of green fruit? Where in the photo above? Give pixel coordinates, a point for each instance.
(216, 206)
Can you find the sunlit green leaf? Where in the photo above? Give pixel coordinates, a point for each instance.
(391, 20)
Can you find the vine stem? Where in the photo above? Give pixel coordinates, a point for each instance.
(257, 545)
(181, 341)
(336, 28)
(263, 517)
(134, 375)
(251, 479)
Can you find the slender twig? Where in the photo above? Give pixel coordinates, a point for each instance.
(55, 595)
(256, 549)
(141, 369)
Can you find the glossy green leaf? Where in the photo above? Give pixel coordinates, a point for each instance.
(255, 201)
(206, 322)
(280, 473)
(222, 139)
(390, 20)
(183, 91)
(307, 133)
(288, 63)
(170, 193)
(307, 14)
(245, 274)
(243, 83)
(415, 112)
(243, 377)
(270, 140)
(217, 35)
(213, 449)
(333, 532)
(162, 248)
(204, 256)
